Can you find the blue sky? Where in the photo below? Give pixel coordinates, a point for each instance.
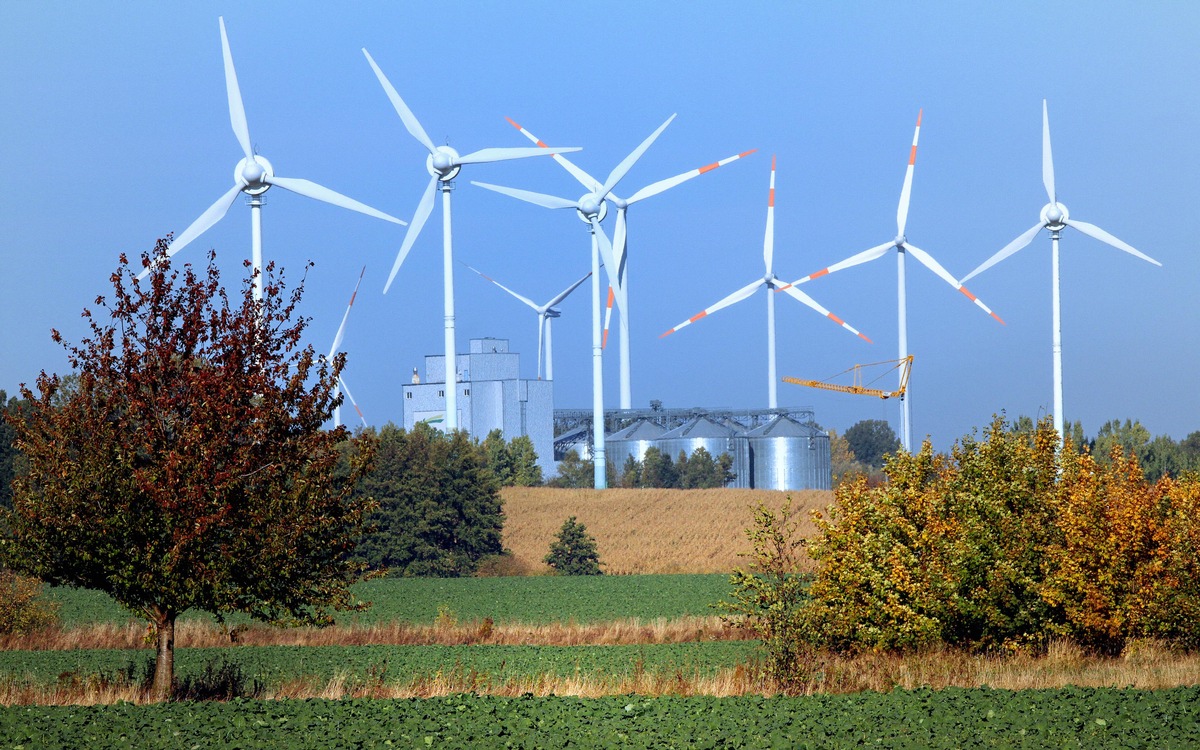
(115, 131)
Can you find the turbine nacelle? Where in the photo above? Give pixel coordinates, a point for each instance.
(552, 313)
(443, 163)
(1054, 216)
(253, 174)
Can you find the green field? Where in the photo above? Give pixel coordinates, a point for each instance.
(539, 599)
(1090, 718)
(272, 665)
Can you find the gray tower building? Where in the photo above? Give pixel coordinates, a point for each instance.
(491, 395)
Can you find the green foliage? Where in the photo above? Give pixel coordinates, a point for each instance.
(767, 599)
(186, 467)
(573, 551)
(439, 509)
(656, 469)
(25, 605)
(870, 440)
(514, 463)
(10, 456)
(947, 551)
(574, 472)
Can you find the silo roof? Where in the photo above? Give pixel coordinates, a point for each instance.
(642, 429)
(784, 426)
(700, 427)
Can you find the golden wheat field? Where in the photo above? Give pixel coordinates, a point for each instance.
(645, 531)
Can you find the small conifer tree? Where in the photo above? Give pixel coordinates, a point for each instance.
(573, 551)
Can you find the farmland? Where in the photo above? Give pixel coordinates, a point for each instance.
(922, 718)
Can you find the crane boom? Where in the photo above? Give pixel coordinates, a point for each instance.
(858, 388)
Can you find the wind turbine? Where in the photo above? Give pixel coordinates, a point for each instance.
(1054, 217)
(771, 282)
(337, 343)
(253, 176)
(619, 240)
(591, 209)
(903, 247)
(443, 164)
(546, 313)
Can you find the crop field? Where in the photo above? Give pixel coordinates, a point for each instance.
(646, 531)
(276, 665)
(538, 599)
(979, 718)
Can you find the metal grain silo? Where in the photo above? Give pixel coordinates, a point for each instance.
(789, 455)
(714, 437)
(631, 441)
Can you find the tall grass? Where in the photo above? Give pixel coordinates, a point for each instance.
(645, 531)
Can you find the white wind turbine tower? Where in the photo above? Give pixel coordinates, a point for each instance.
(443, 164)
(253, 176)
(903, 247)
(546, 313)
(619, 240)
(772, 284)
(333, 350)
(1054, 217)
(591, 208)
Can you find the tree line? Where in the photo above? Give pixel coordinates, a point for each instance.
(701, 470)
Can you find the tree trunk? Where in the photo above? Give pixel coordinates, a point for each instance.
(164, 661)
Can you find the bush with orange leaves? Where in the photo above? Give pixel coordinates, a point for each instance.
(1004, 543)
(1124, 564)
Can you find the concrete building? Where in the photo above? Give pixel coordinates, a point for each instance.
(491, 395)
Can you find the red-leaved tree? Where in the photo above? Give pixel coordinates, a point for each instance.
(187, 466)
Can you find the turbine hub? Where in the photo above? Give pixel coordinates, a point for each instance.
(1054, 215)
(252, 173)
(443, 163)
(900, 240)
(589, 206)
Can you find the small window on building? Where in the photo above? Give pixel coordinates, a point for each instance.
(441, 394)
(408, 394)
(466, 391)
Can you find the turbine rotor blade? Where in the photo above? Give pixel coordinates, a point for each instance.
(734, 298)
(1096, 232)
(585, 179)
(537, 308)
(607, 317)
(1006, 251)
(804, 298)
(563, 294)
(312, 190)
(619, 239)
(606, 255)
(211, 216)
(627, 163)
(341, 331)
(1047, 157)
(670, 182)
(406, 116)
(350, 396)
(927, 260)
(486, 155)
(237, 112)
(538, 199)
(906, 191)
(424, 208)
(863, 257)
(769, 235)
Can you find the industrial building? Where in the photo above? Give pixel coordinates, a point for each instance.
(491, 395)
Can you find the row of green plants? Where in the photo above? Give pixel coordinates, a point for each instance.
(1093, 718)
(1006, 542)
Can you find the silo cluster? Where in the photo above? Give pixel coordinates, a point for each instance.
(783, 454)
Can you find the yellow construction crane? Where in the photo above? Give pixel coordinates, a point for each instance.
(904, 365)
